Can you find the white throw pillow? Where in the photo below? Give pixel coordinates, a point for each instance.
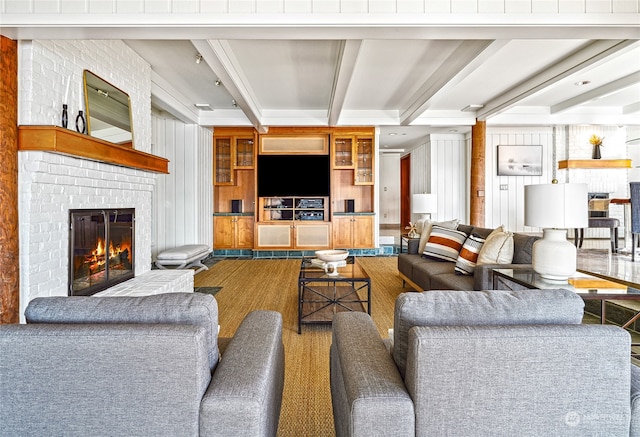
(497, 249)
(426, 231)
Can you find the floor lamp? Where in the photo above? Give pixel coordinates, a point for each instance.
(555, 207)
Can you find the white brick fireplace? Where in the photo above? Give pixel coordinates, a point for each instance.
(49, 186)
(52, 184)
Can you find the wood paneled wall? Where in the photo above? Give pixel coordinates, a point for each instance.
(9, 244)
(183, 202)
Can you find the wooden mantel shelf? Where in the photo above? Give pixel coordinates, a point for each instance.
(594, 163)
(60, 140)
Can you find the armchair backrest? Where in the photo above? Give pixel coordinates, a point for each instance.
(194, 309)
(469, 308)
(102, 379)
(569, 380)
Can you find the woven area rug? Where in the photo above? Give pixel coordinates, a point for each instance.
(207, 290)
(250, 284)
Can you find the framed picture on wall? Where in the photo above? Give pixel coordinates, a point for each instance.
(519, 160)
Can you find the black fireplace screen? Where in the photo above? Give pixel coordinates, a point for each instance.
(101, 251)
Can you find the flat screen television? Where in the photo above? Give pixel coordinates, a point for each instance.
(294, 175)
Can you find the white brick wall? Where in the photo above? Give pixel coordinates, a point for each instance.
(51, 184)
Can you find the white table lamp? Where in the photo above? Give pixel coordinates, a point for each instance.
(555, 207)
(424, 204)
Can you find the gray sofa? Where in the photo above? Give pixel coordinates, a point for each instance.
(424, 273)
(483, 363)
(143, 366)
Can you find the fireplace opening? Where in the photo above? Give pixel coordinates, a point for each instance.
(101, 249)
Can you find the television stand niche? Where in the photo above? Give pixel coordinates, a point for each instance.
(291, 222)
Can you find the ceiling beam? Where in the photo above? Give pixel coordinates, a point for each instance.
(589, 55)
(468, 56)
(219, 56)
(631, 108)
(611, 87)
(167, 98)
(347, 59)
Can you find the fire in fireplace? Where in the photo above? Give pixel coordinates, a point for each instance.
(101, 249)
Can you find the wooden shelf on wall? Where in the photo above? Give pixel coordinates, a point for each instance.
(594, 163)
(64, 141)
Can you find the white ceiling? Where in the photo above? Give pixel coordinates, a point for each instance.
(409, 80)
(408, 87)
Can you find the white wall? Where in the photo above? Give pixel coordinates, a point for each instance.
(441, 166)
(183, 200)
(389, 182)
(538, 8)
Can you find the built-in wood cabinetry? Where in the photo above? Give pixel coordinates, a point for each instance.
(286, 223)
(352, 231)
(233, 232)
(293, 235)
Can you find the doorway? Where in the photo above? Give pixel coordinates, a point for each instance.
(405, 190)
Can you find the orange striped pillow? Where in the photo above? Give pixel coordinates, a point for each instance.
(444, 243)
(468, 256)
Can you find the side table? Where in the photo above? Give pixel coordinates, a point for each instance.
(405, 238)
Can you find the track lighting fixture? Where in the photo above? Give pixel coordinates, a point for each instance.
(218, 82)
(198, 58)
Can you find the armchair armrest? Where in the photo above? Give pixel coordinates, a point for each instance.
(368, 395)
(483, 274)
(635, 400)
(245, 394)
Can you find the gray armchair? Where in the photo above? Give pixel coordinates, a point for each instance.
(144, 366)
(482, 363)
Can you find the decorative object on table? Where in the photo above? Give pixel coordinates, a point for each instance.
(331, 259)
(81, 125)
(425, 204)
(519, 160)
(65, 116)
(555, 207)
(331, 255)
(326, 265)
(412, 231)
(596, 141)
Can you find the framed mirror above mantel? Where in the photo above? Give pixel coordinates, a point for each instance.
(108, 111)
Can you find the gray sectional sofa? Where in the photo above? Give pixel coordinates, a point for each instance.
(483, 363)
(143, 366)
(423, 273)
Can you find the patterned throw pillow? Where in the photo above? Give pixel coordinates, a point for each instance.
(444, 243)
(468, 256)
(426, 231)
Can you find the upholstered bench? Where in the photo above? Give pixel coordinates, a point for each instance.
(184, 257)
(601, 222)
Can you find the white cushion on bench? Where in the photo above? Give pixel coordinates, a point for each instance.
(184, 257)
(184, 252)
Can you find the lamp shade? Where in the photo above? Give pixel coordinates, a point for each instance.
(559, 206)
(424, 203)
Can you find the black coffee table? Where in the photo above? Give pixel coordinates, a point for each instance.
(321, 295)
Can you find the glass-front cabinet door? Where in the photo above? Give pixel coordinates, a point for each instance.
(342, 152)
(223, 173)
(363, 174)
(244, 153)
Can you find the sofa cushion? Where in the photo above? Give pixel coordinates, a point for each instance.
(195, 309)
(444, 243)
(492, 307)
(451, 281)
(426, 230)
(523, 248)
(428, 269)
(468, 256)
(497, 249)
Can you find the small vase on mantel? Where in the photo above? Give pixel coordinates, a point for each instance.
(596, 141)
(596, 152)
